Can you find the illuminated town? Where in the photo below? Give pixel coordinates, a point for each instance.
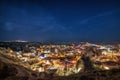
(59, 39)
(61, 59)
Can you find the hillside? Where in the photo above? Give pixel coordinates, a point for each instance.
(11, 70)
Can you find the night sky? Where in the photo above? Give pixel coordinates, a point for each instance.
(60, 20)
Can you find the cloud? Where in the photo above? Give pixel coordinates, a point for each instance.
(30, 25)
(84, 21)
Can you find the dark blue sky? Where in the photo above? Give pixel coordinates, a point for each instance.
(60, 20)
